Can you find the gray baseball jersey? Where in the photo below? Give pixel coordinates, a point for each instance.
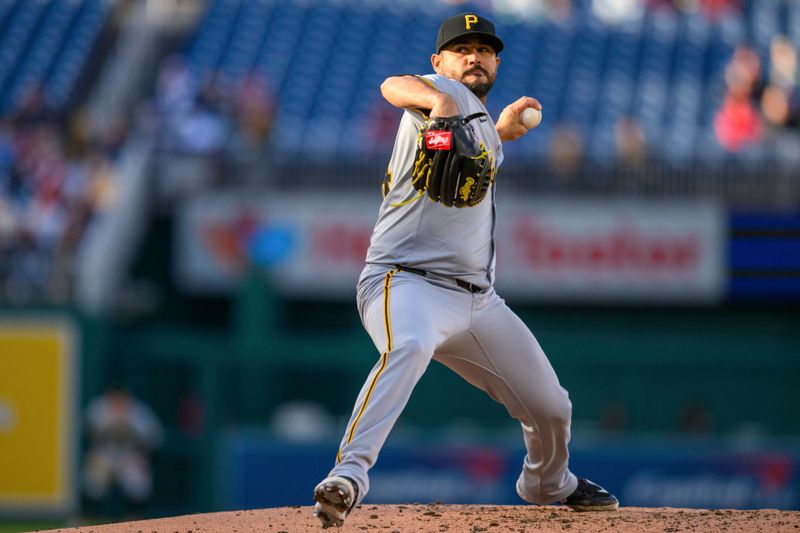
(411, 230)
(413, 318)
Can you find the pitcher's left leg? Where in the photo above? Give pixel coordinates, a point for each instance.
(532, 395)
(546, 461)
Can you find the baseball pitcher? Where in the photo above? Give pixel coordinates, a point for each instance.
(426, 291)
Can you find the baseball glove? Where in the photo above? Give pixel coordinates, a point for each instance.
(450, 164)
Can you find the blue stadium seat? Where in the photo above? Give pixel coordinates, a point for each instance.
(54, 27)
(76, 45)
(793, 23)
(45, 44)
(765, 20)
(327, 58)
(14, 46)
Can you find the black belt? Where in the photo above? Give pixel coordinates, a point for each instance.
(460, 282)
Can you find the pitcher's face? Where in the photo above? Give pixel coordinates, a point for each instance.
(470, 61)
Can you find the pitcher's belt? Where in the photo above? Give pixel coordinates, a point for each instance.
(471, 287)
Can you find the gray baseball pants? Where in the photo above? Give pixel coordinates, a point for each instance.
(412, 319)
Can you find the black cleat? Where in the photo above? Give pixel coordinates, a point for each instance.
(590, 497)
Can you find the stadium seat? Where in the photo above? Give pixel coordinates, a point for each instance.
(326, 60)
(45, 44)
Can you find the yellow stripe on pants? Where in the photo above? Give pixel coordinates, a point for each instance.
(384, 359)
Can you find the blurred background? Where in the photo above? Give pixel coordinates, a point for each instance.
(187, 190)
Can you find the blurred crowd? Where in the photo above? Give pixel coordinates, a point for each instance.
(210, 128)
(712, 9)
(218, 116)
(611, 11)
(55, 176)
(761, 98)
(53, 179)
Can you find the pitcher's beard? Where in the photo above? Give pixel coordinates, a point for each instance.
(479, 88)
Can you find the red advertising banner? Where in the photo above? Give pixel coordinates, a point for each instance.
(548, 249)
(620, 250)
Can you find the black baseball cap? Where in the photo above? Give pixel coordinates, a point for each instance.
(467, 25)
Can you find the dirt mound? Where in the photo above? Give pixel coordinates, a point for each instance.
(467, 518)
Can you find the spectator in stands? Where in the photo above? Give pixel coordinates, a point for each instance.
(712, 9)
(659, 4)
(192, 121)
(48, 194)
(631, 145)
(174, 99)
(122, 435)
(737, 123)
(206, 129)
(99, 190)
(35, 176)
(173, 87)
(566, 152)
(255, 110)
(558, 10)
(716, 9)
(252, 106)
(223, 118)
(783, 71)
(780, 100)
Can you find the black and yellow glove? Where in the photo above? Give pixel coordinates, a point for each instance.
(450, 164)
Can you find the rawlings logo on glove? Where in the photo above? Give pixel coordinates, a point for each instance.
(438, 140)
(451, 165)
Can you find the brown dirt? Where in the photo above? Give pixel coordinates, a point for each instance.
(468, 519)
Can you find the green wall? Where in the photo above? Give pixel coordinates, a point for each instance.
(740, 363)
(239, 358)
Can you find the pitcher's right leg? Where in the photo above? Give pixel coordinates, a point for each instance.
(407, 319)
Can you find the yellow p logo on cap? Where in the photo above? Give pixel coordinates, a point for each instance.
(469, 20)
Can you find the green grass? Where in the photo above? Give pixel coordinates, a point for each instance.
(16, 527)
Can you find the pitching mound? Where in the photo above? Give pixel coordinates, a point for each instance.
(467, 518)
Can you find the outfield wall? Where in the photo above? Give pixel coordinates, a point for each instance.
(659, 471)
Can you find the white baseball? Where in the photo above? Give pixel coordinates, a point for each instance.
(531, 117)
